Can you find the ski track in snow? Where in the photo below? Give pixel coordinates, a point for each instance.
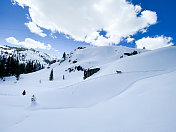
(123, 90)
(130, 85)
(93, 78)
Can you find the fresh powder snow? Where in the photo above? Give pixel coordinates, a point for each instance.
(139, 99)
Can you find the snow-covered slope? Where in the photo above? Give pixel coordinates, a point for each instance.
(24, 55)
(141, 98)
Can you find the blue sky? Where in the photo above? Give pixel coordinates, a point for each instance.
(12, 22)
(166, 21)
(165, 10)
(13, 18)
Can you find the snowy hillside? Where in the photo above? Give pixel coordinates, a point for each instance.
(141, 97)
(24, 55)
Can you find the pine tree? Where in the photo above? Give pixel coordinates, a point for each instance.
(2, 69)
(64, 56)
(42, 66)
(22, 68)
(24, 93)
(17, 74)
(51, 75)
(8, 67)
(13, 66)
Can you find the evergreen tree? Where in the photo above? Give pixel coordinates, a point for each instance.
(64, 56)
(24, 93)
(35, 67)
(2, 68)
(22, 68)
(17, 74)
(42, 66)
(14, 65)
(51, 75)
(29, 67)
(8, 67)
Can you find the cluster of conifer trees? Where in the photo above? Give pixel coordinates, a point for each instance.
(10, 66)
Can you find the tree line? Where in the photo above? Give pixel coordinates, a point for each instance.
(10, 66)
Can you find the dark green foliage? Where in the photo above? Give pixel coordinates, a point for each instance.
(133, 53)
(32, 66)
(52, 62)
(90, 72)
(79, 68)
(17, 74)
(24, 93)
(128, 54)
(64, 56)
(2, 68)
(17, 70)
(75, 61)
(118, 72)
(51, 76)
(73, 69)
(11, 66)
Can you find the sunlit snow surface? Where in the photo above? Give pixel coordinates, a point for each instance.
(141, 99)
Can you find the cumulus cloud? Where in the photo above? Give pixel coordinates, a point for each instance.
(83, 19)
(35, 29)
(12, 40)
(152, 43)
(129, 40)
(29, 43)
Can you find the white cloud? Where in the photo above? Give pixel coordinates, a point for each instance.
(82, 19)
(152, 43)
(29, 43)
(12, 40)
(138, 8)
(129, 40)
(35, 29)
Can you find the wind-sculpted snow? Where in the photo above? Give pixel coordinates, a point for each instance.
(91, 92)
(141, 98)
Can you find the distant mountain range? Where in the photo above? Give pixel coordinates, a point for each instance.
(15, 61)
(25, 55)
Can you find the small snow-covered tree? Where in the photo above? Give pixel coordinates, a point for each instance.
(51, 75)
(33, 98)
(33, 101)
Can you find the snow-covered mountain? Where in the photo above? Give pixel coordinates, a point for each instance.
(139, 97)
(25, 55)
